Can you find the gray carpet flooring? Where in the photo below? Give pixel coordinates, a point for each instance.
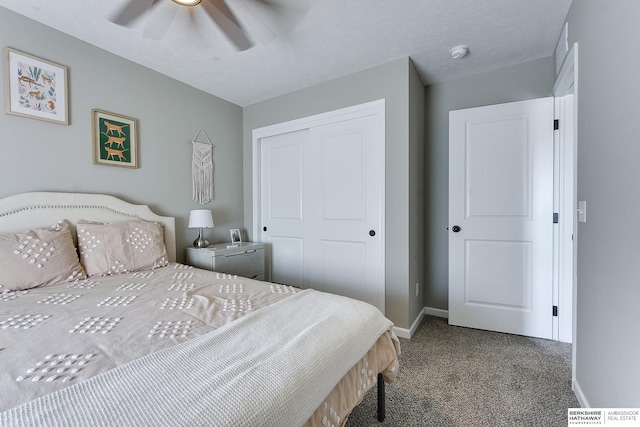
(453, 376)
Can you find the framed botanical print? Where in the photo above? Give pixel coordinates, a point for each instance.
(115, 139)
(35, 87)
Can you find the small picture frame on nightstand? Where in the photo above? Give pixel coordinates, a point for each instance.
(236, 237)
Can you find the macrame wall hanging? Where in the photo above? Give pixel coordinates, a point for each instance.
(202, 169)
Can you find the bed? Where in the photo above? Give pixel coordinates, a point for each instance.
(100, 326)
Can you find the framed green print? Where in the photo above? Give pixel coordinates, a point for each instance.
(35, 87)
(115, 140)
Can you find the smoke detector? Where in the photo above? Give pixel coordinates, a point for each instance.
(459, 51)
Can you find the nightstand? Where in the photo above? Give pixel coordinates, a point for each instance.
(244, 259)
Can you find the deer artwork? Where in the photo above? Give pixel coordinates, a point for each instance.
(111, 127)
(112, 154)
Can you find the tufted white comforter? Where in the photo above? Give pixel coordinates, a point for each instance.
(268, 366)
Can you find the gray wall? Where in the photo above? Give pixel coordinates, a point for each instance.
(41, 156)
(516, 83)
(607, 343)
(391, 82)
(416, 192)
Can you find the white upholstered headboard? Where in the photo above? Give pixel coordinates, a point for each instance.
(25, 211)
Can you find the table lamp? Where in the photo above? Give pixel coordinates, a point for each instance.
(200, 218)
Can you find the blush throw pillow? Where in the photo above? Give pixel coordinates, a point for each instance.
(120, 247)
(39, 257)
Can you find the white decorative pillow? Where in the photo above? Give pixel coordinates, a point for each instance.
(39, 257)
(120, 247)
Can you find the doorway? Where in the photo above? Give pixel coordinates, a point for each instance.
(501, 217)
(563, 299)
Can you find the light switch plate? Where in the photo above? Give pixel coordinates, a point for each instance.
(582, 211)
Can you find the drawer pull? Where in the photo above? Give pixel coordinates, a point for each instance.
(239, 254)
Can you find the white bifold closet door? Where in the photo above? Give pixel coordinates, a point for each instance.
(321, 207)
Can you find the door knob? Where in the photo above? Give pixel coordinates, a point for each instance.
(456, 228)
(372, 233)
(264, 228)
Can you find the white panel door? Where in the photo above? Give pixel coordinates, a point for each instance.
(345, 244)
(283, 195)
(501, 217)
(321, 206)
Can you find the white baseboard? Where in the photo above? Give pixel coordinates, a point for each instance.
(408, 333)
(437, 312)
(577, 390)
(401, 332)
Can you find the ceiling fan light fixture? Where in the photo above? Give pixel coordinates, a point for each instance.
(187, 2)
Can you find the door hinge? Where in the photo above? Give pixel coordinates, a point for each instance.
(555, 311)
(556, 124)
(555, 217)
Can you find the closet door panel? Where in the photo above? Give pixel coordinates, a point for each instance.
(322, 205)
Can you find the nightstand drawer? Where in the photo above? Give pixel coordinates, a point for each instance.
(245, 259)
(249, 264)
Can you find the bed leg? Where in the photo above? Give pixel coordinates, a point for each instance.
(381, 409)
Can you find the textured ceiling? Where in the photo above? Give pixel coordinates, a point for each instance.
(314, 41)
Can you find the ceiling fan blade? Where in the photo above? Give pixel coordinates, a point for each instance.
(192, 16)
(227, 22)
(156, 27)
(267, 3)
(271, 19)
(286, 11)
(132, 10)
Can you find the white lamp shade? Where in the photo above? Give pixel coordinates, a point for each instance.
(200, 218)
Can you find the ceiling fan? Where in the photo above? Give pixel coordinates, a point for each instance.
(217, 10)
